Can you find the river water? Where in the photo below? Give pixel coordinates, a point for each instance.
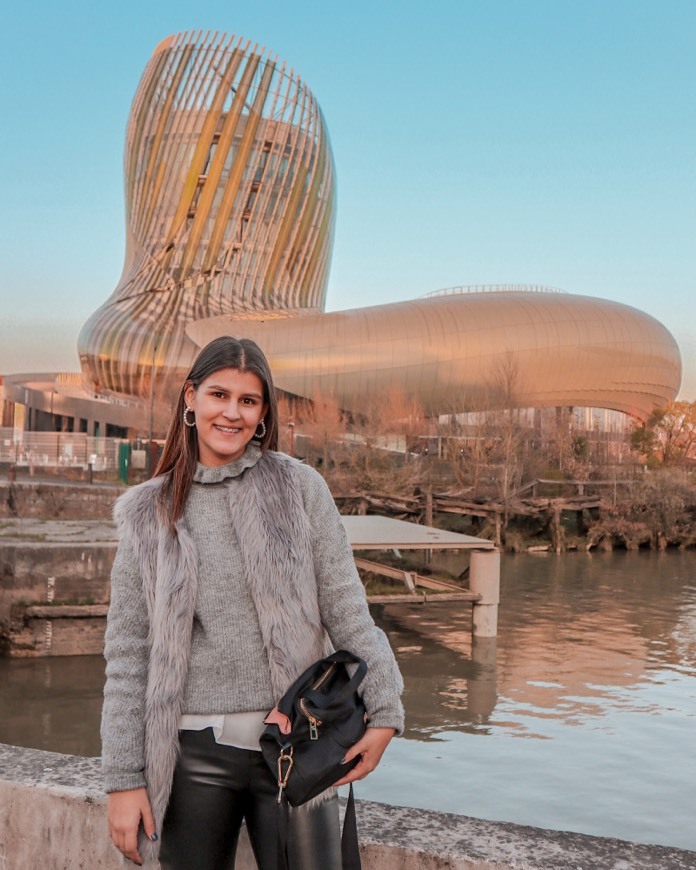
(581, 716)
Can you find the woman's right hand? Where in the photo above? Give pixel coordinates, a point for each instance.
(126, 809)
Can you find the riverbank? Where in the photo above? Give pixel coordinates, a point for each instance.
(656, 511)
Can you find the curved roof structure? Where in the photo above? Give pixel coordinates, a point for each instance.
(459, 351)
(230, 204)
(230, 213)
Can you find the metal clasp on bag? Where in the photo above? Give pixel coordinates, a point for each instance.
(284, 758)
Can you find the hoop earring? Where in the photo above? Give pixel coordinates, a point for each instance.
(259, 436)
(186, 422)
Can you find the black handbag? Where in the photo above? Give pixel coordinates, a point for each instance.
(327, 716)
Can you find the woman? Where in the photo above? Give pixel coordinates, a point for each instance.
(233, 574)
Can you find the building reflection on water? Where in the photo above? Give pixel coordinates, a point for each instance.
(577, 636)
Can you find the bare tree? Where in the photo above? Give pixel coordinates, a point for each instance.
(669, 435)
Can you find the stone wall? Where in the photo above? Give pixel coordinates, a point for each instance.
(47, 500)
(53, 816)
(57, 631)
(34, 573)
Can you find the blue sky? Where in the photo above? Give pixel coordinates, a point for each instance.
(544, 142)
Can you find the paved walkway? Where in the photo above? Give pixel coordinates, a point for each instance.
(13, 531)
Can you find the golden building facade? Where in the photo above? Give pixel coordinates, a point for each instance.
(229, 189)
(230, 206)
(460, 350)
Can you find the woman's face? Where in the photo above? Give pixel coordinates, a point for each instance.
(228, 406)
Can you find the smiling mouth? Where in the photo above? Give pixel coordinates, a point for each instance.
(227, 429)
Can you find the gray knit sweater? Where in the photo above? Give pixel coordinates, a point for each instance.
(228, 667)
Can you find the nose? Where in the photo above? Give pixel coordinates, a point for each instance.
(231, 411)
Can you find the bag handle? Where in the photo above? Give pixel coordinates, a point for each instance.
(348, 690)
(339, 657)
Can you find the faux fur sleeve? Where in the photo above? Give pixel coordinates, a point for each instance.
(343, 605)
(126, 653)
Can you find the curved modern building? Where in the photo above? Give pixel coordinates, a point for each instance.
(230, 204)
(460, 350)
(230, 210)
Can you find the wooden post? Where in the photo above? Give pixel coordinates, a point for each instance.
(580, 523)
(557, 530)
(428, 554)
(484, 580)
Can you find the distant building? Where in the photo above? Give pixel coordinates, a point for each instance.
(230, 207)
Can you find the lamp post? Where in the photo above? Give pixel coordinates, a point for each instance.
(291, 433)
(152, 391)
(152, 411)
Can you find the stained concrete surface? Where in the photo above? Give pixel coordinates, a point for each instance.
(40, 531)
(49, 562)
(58, 499)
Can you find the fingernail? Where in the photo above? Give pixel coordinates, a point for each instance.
(154, 838)
(343, 760)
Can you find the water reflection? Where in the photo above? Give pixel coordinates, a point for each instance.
(588, 694)
(448, 682)
(578, 636)
(52, 703)
(595, 668)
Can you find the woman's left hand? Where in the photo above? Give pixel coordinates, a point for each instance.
(371, 748)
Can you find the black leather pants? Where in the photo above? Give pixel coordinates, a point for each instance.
(216, 787)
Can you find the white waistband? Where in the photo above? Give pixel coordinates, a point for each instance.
(241, 730)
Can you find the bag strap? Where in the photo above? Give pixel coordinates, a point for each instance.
(350, 851)
(283, 826)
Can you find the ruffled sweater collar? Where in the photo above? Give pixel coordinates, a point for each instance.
(218, 473)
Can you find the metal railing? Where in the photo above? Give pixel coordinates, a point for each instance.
(493, 288)
(58, 450)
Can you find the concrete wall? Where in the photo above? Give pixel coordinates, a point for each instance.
(36, 632)
(53, 816)
(79, 572)
(29, 499)
(34, 573)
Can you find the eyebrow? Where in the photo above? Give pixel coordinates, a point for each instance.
(226, 390)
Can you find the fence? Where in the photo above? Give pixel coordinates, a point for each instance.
(58, 450)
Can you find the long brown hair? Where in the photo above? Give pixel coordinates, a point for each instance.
(180, 454)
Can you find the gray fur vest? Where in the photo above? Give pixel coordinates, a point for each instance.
(275, 538)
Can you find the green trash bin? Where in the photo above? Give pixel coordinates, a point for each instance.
(124, 450)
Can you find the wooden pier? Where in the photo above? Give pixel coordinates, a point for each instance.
(373, 532)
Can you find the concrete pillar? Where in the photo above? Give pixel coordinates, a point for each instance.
(484, 580)
(482, 690)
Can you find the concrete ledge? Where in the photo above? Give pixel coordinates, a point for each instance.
(54, 816)
(57, 499)
(65, 611)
